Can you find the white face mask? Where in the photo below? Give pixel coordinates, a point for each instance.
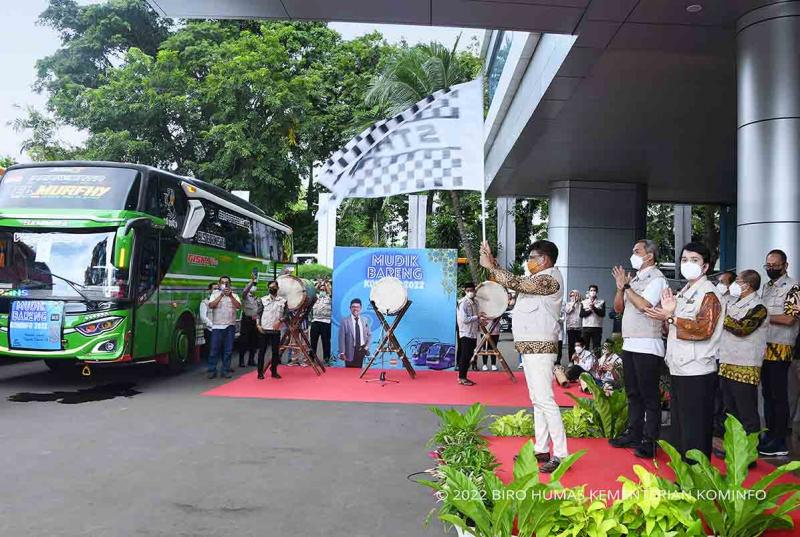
(722, 288)
(470, 294)
(691, 271)
(636, 262)
(578, 350)
(735, 290)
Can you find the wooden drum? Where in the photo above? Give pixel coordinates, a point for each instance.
(389, 295)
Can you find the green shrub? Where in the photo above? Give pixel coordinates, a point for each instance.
(728, 507)
(578, 423)
(517, 424)
(609, 412)
(313, 271)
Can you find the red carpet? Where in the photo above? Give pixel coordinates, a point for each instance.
(602, 464)
(429, 388)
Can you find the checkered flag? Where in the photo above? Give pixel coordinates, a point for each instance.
(437, 144)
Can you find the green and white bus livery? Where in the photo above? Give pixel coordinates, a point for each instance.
(104, 262)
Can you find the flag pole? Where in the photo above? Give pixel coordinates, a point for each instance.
(483, 214)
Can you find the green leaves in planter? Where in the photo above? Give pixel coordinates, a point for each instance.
(656, 507)
(609, 413)
(583, 518)
(452, 421)
(578, 423)
(517, 424)
(728, 507)
(490, 511)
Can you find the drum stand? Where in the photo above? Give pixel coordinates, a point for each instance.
(389, 343)
(296, 339)
(486, 347)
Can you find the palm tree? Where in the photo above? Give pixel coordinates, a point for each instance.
(413, 74)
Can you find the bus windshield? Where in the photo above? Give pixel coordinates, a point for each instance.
(70, 188)
(64, 266)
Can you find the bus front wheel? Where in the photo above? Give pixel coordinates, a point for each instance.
(182, 347)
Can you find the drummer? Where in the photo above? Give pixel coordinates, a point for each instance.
(271, 315)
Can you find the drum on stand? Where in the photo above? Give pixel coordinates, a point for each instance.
(389, 295)
(298, 292)
(492, 299)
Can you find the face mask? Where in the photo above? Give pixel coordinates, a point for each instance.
(273, 291)
(735, 290)
(636, 262)
(691, 271)
(774, 274)
(532, 266)
(592, 294)
(578, 350)
(470, 294)
(722, 288)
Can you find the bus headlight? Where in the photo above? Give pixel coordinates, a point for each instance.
(99, 326)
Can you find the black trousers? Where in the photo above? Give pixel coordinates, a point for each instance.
(574, 372)
(720, 410)
(207, 346)
(321, 330)
(466, 348)
(593, 338)
(248, 339)
(572, 335)
(775, 389)
(358, 358)
(269, 339)
(693, 412)
(741, 400)
(641, 373)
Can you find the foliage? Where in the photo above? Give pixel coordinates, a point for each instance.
(314, 271)
(728, 507)
(452, 421)
(6, 162)
(491, 511)
(661, 228)
(517, 424)
(578, 423)
(581, 517)
(656, 507)
(609, 412)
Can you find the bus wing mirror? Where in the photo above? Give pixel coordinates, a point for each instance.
(193, 220)
(137, 223)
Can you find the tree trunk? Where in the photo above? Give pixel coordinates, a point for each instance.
(462, 230)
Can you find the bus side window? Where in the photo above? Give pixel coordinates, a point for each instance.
(172, 202)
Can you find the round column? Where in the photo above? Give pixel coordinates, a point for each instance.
(768, 179)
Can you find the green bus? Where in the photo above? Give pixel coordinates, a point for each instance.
(104, 262)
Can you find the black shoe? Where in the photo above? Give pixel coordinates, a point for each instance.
(275, 375)
(550, 466)
(646, 449)
(227, 375)
(212, 375)
(625, 440)
(261, 376)
(775, 447)
(540, 457)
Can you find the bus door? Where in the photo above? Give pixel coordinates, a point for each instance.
(145, 331)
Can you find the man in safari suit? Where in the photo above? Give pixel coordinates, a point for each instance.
(354, 336)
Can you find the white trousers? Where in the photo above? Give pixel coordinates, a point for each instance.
(549, 429)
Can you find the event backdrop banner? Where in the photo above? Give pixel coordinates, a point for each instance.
(427, 331)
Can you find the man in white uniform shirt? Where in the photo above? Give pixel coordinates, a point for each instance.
(643, 348)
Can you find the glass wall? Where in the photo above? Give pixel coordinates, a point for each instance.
(497, 59)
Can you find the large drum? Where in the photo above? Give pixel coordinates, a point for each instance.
(298, 292)
(389, 295)
(492, 299)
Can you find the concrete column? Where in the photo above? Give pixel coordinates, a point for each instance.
(682, 230)
(768, 179)
(417, 220)
(506, 231)
(595, 225)
(326, 233)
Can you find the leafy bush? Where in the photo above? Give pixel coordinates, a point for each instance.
(491, 511)
(608, 412)
(728, 507)
(517, 424)
(578, 423)
(313, 271)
